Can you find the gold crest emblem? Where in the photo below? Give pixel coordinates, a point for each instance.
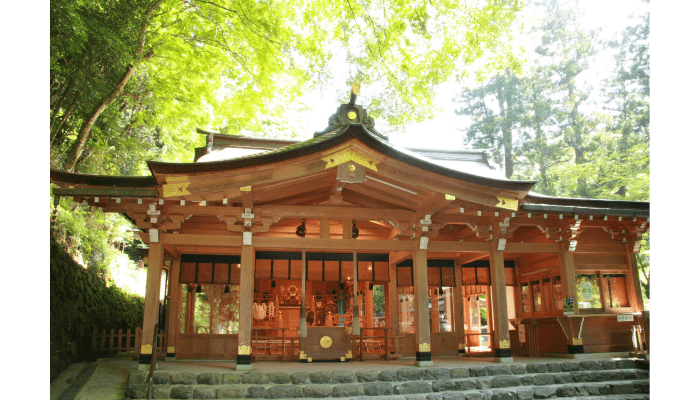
(326, 342)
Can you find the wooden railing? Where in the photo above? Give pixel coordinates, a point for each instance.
(123, 343)
(274, 343)
(466, 336)
(383, 345)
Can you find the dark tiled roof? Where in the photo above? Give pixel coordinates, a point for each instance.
(327, 141)
(102, 180)
(538, 202)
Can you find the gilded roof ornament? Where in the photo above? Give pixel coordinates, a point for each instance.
(350, 114)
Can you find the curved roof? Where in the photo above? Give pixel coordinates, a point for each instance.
(332, 139)
(77, 179)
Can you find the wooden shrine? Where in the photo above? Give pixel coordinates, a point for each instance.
(277, 254)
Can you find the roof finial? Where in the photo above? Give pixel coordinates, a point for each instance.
(354, 92)
(350, 114)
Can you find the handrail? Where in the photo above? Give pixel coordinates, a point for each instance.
(385, 337)
(153, 362)
(466, 335)
(283, 341)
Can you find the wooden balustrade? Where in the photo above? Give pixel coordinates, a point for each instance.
(123, 343)
(383, 345)
(274, 343)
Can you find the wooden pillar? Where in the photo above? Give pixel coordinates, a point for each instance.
(369, 304)
(568, 288)
(150, 309)
(302, 309)
(459, 308)
(635, 284)
(421, 315)
(435, 310)
(245, 327)
(568, 276)
(189, 316)
(391, 301)
(326, 228)
(347, 228)
(499, 303)
(174, 294)
(355, 306)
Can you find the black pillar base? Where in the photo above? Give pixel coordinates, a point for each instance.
(244, 359)
(575, 349)
(144, 358)
(461, 351)
(503, 353)
(424, 356)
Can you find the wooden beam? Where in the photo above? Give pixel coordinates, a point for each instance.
(105, 192)
(466, 258)
(253, 176)
(400, 199)
(397, 257)
(532, 247)
(317, 212)
(599, 259)
(434, 245)
(432, 205)
(472, 193)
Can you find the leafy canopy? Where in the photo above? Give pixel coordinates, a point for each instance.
(138, 76)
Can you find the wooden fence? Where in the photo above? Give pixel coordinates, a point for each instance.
(122, 343)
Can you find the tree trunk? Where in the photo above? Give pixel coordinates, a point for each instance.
(84, 133)
(118, 91)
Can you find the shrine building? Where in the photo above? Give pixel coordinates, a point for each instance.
(347, 247)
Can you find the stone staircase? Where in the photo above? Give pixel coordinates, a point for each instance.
(603, 379)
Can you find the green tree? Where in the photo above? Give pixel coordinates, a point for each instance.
(496, 109)
(568, 50)
(539, 151)
(139, 76)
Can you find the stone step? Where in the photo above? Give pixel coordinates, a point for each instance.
(514, 381)
(386, 390)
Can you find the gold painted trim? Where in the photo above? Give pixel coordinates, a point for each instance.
(509, 204)
(175, 189)
(577, 342)
(171, 349)
(504, 344)
(424, 347)
(244, 350)
(348, 154)
(449, 197)
(176, 179)
(349, 354)
(246, 188)
(146, 349)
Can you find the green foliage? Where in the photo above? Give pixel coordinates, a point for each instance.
(544, 125)
(94, 238)
(80, 303)
(379, 305)
(131, 80)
